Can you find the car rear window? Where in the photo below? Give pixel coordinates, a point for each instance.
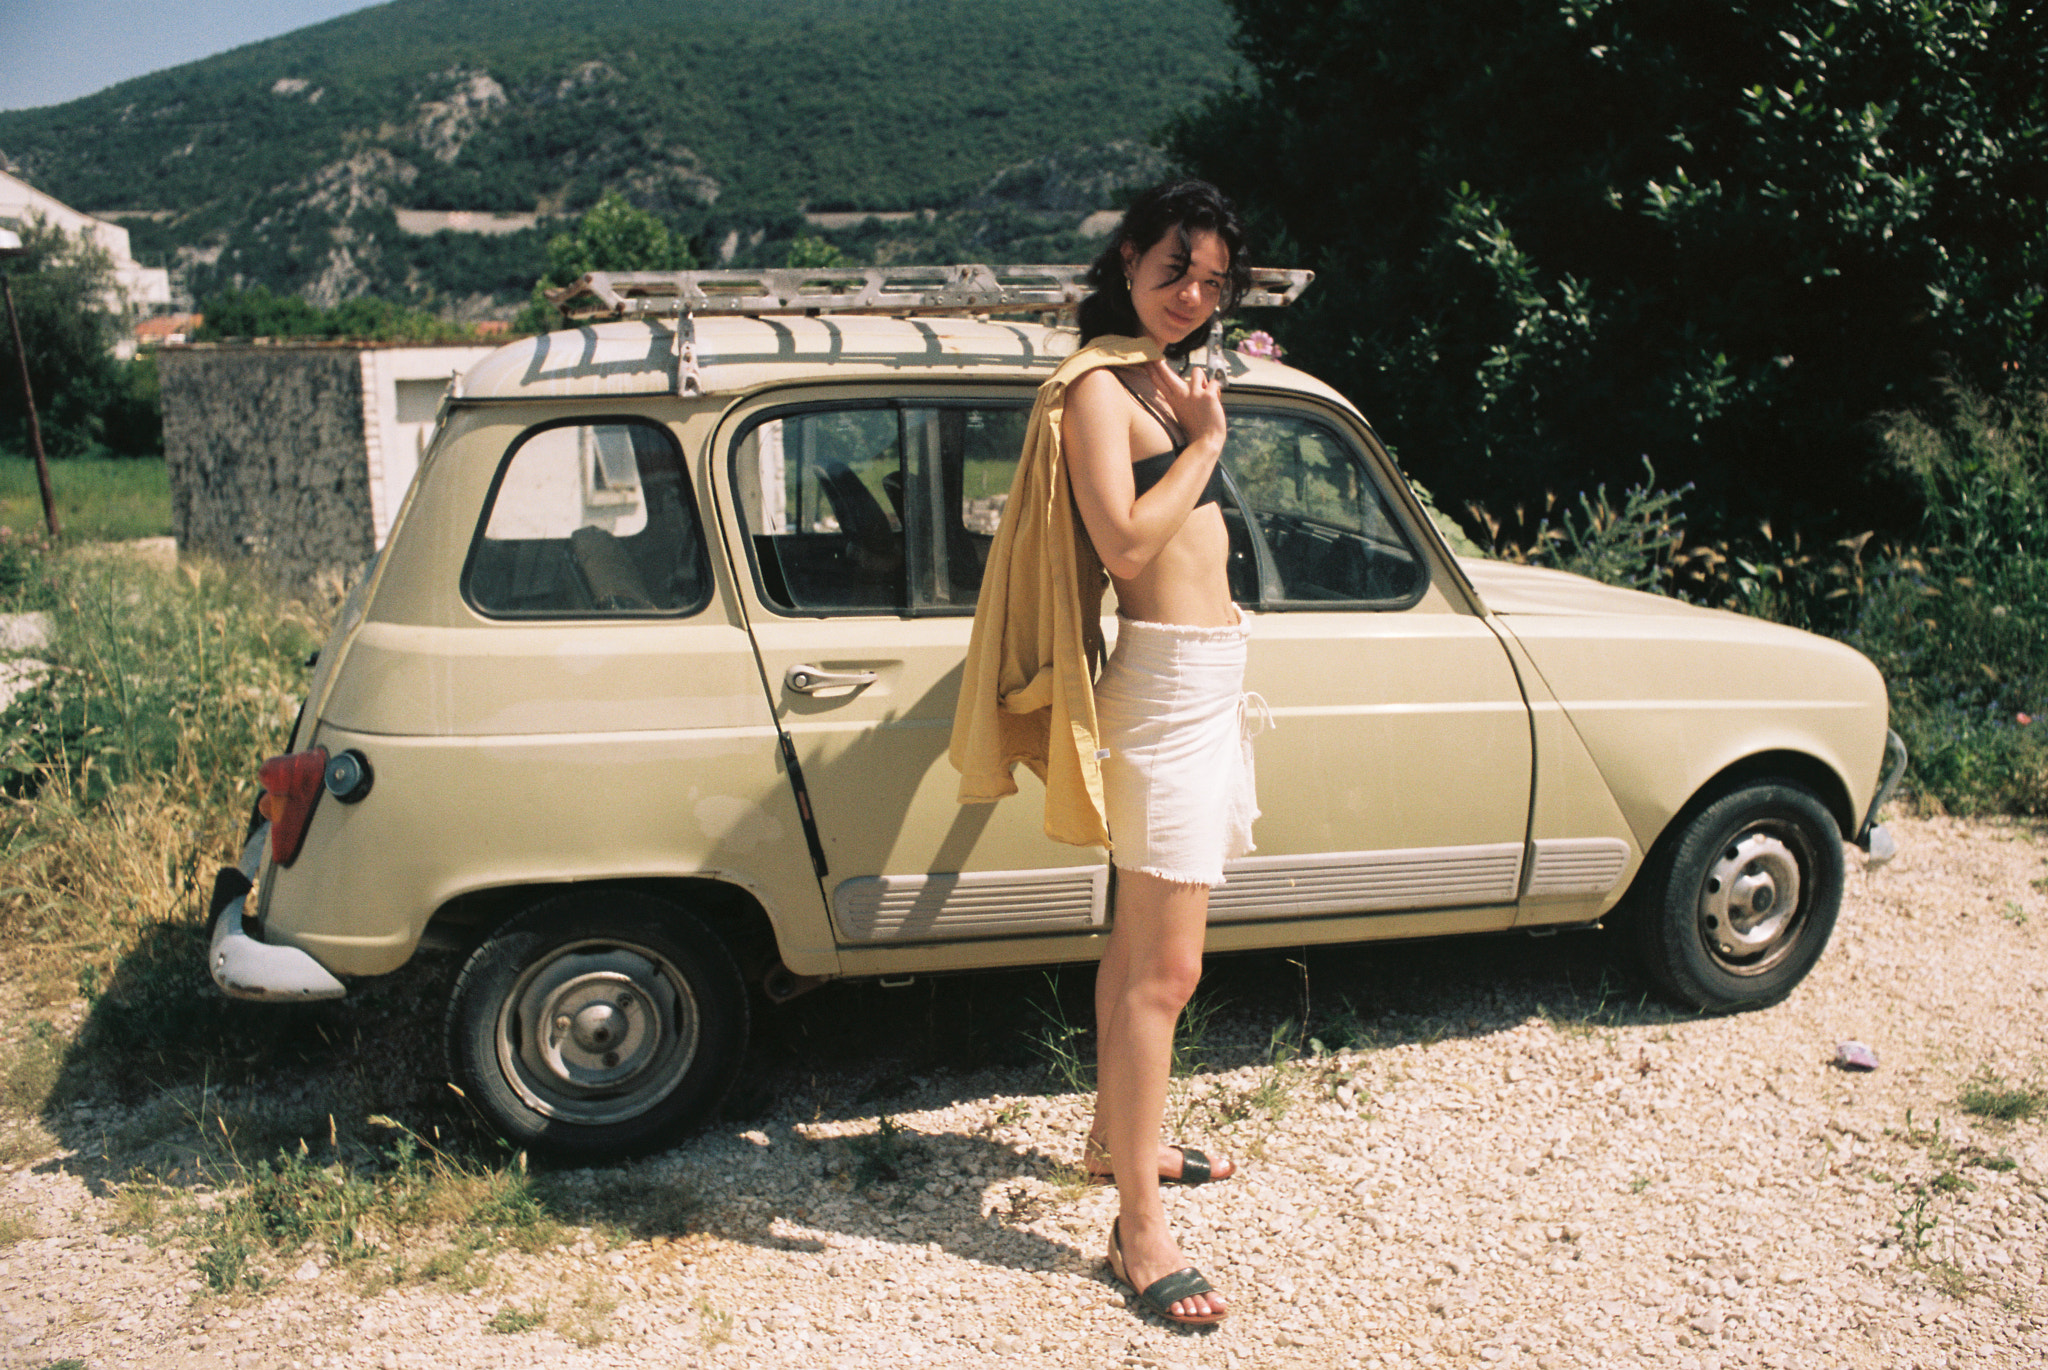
(589, 519)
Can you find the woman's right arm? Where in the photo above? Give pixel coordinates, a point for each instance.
(1095, 433)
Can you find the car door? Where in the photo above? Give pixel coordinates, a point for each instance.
(862, 521)
(1395, 776)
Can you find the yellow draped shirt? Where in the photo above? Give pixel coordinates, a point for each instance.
(1028, 692)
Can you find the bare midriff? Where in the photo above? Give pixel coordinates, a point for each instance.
(1188, 582)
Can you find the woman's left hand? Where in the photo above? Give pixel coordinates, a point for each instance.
(1196, 400)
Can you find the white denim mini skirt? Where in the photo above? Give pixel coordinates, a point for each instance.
(1177, 751)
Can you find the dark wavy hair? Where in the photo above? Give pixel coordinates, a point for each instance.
(1181, 207)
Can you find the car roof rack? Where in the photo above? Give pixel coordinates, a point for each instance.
(968, 288)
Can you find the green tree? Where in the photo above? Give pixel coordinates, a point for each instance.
(809, 250)
(611, 236)
(61, 290)
(1556, 236)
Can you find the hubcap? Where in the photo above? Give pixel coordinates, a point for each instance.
(1749, 903)
(597, 1032)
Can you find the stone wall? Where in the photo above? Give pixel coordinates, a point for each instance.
(265, 452)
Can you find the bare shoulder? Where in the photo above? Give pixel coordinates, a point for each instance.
(1093, 386)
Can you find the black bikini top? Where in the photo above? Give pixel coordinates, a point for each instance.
(1147, 472)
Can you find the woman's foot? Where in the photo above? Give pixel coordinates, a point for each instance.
(1183, 1165)
(1151, 1265)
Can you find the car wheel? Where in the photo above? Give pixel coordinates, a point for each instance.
(597, 1024)
(1741, 898)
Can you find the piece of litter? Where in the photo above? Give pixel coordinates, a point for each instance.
(1854, 1056)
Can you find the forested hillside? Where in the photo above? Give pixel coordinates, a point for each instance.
(283, 162)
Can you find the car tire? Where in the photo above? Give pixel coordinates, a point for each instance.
(1739, 900)
(597, 1024)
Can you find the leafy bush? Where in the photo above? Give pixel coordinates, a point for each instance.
(1960, 628)
(1957, 624)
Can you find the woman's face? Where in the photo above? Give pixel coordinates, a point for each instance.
(1175, 291)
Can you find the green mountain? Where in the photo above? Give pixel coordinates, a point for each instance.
(286, 163)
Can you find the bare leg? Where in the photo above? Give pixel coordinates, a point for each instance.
(1149, 970)
(1112, 977)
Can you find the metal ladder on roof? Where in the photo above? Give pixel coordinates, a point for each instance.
(967, 288)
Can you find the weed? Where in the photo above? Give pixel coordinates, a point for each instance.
(1990, 1097)
(2013, 913)
(878, 1157)
(509, 1321)
(1057, 1043)
(15, 1228)
(68, 1363)
(224, 1264)
(714, 1325)
(291, 1201)
(1191, 1034)
(588, 1321)
(1639, 1184)
(1949, 1279)
(1069, 1181)
(1915, 1221)
(30, 1074)
(138, 1205)
(456, 1266)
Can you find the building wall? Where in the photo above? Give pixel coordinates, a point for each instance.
(265, 451)
(402, 390)
(135, 286)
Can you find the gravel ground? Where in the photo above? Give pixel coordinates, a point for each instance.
(1490, 1184)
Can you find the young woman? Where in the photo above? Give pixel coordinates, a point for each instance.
(1141, 446)
(1153, 760)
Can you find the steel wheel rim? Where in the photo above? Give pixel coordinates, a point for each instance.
(597, 1032)
(1752, 907)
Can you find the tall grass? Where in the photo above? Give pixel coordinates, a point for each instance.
(127, 777)
(98, 498)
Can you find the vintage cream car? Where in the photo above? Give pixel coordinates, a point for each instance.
(645, 706)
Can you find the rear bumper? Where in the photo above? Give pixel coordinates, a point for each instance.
(245, 968)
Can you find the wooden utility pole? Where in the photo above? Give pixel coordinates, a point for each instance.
(35, 428)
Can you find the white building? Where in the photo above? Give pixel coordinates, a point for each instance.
(137, 287)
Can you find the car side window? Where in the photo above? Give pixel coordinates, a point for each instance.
(589, 520)
(875, 509)
(1328, 534)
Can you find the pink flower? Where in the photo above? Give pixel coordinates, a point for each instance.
(1259, 343)
(2024, 719)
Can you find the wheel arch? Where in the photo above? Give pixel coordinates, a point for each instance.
(735, 913)
(1801, 768)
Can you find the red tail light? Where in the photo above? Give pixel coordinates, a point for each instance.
(291, 787)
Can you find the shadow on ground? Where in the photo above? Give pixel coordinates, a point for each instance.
(165, 1070)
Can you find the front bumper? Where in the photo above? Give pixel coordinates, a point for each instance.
(1879, 846)
(245, 968)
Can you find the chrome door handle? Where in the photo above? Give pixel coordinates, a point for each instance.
(809, 680)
